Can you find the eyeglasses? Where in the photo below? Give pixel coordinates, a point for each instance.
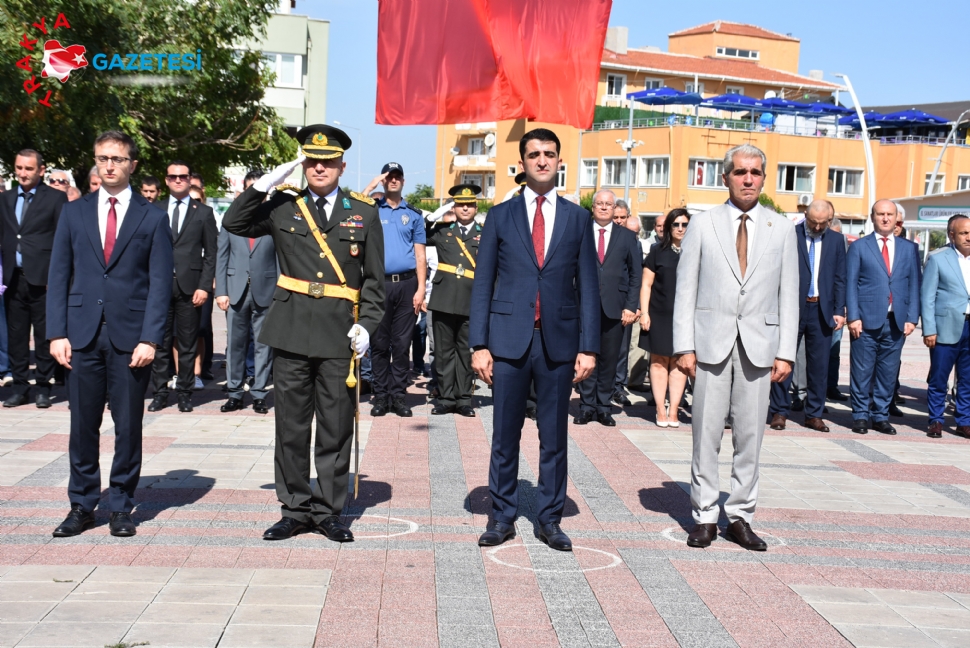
(181, 177)
(114, 159)
(899, 223)
(62, 181)
(679, 225)
(603, 204)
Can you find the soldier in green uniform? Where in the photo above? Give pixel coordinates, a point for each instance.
(330, 247)
(450, 305)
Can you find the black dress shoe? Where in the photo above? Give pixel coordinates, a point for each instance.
(836, 395)
(554, 536)
(467, 411)
(798, 405)
(898, 400)
(285, 528)
(740, 532)
(621, 400)
(365, 387)
(336, 530)
(206, 375)
(260, 406)
(895, 411)
(15, 401)
(121, 525)
(158, 403)
(379, 408)
(232, 405)
(583, 418)
(399, 407)
(530, 413)
(437, 410)
(77, 520)
(496, 533)
(860, 426)
(43, 401)
(605, 418)
(883, 427)
(702, 535)
(185, 403)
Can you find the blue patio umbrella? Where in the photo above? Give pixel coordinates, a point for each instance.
(853, 120)
(823, 108)
(665, 97)
(732, 103)
(911, 117)
(780, 105)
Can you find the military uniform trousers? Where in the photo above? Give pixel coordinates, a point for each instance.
(305, 386)
(453, 359)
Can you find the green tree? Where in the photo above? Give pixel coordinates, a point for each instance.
(212, 118)
(421, 192)
(766, 201)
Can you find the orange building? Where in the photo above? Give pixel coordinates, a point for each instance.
(678, 157)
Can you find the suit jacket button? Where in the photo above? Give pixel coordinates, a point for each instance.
(106, 276)
(319, 275)
(532, 304)
(100, 302)
(742, 292)
(739, 317)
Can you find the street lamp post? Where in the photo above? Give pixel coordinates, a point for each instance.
(870, 171)
(951, 136)
(360, 150)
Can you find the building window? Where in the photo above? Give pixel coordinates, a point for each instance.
(476, 146)
(963, 183)
(735, 90)
(937, 187)
(614, 171)
(691, 87)
(796, 178)
(652, 84)
(489, 188)
(561, 176)
(615, 84)
(590, 173)
(734, 52)
(705, 173)
(513, 170)
(843, 182)
(653, 172)
(288, 69)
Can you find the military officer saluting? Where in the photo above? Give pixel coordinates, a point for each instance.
(450, 305)
(330, 247)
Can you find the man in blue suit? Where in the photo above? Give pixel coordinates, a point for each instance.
(535, 316)
(107, 297)
(821, 299)
(882, 307)
(945, 303)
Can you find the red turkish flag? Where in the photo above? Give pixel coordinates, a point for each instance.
(458, 61)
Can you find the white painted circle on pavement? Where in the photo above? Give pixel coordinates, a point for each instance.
(615, 560)
(412, 527)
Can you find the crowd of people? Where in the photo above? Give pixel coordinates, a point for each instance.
(738, 306)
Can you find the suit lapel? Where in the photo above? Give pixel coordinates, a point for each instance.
(521, 221)
(951, 257)
(726, 236)
(897, 251)
(563, 212)
(89, 216)
(763, 229)
(803, 246)
(31, 206)
(874, 247)
(612, 244)
(337, 214)
(133, 218)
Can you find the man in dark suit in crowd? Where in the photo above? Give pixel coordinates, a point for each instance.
(109, 285)
(535, 316)
(194, 236)
(619, 264)
(882, 307)
(246, 274)
(821, 298)
(29, 218)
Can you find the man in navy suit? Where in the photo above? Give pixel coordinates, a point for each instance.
(821, 299)
(619, 267)
(107, 297)
(882, 308)
(535, 316)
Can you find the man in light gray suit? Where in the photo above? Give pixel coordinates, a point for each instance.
(246, 274)
(735, 330)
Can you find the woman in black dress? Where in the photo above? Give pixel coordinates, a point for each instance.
(657, 320)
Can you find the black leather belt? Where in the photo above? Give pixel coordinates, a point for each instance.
(401, 276)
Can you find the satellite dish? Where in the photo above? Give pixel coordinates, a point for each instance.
(489, 139)
(770, 94)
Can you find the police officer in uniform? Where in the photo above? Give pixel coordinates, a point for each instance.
(330, 247)
(450, 305)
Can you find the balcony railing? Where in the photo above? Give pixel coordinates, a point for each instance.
(476, 161)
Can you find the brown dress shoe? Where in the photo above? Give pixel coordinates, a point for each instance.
(935, 430)
(778, 422)
(702, 535)
(740, 531)
(817, 424)
(964, 431)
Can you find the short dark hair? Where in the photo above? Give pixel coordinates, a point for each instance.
(253, 175)
(197, 176)
(541, 134)
(667, 240)
(29, 152)
(179, 163)
(151, 181)
(120, 138)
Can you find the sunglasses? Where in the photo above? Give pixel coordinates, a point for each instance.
(182, 177)
(62, 181)
(679, 225)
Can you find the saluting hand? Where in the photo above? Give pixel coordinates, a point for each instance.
(277, 175)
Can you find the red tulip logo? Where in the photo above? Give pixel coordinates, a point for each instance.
(60, 61)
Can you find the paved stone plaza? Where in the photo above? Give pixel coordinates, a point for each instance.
(869, 539)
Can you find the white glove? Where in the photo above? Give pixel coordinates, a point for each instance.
(277, 175)
(439, 213)
(359, 339)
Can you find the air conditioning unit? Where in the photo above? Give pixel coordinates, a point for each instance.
(805, 200)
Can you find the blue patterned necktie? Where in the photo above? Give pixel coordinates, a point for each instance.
(811, 264)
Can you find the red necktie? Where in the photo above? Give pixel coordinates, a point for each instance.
(539, 240)
(885, 259)
(601, 245)
(252, 242)
(111, 230)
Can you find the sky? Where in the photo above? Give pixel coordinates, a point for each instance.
(894, 52)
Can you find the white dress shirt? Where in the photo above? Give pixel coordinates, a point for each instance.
(818, 256)
(608, 229)
(183, 210)
(124, 199)
(736, 221)
(548, 212)
(331, 199)
(964, 264)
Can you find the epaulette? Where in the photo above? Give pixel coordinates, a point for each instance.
(287, 187)
(362, 198)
